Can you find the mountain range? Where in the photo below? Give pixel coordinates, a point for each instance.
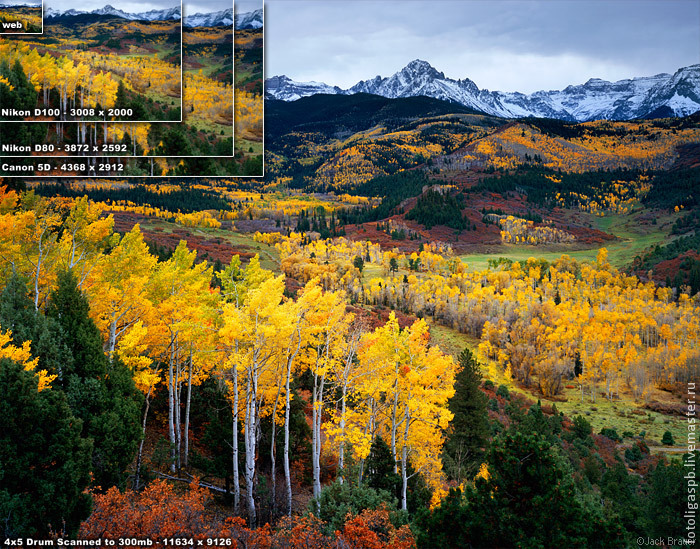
(656, 96)
(248, 20)
(215, 19)
(152, 15)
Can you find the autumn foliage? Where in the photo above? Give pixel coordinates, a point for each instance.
(538, 322)
(161, 511)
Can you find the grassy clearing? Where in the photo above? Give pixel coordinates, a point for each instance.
(521, 253)
(623, 415)
(634, 237)
(245, 146)
(372, 270)
(620, 415)
(212, 128)
(451, 341)
(243, 75)
(633, 240)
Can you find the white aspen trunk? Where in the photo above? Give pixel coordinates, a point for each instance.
(112, 339)
(64, 100)
(404, 460)
(171, 405)
(187, 412)
(343, 402)
(287, 474)
(250, 440)
(234, 442)
(39, 262)
(143, 439)
(273, 454)
(178, 420)
(404, 479)
(316, 437)
(341, 450)
(287, 413)
(36, 281)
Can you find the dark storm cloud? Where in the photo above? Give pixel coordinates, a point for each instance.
(501, 45)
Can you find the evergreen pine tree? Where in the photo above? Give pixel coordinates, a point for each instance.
(528, 499)
(103, 395)
(380, 468)
(70, 309)
(666, 501)
(468, 433)
(44, 462)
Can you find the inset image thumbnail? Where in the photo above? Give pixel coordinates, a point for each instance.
(119, 62)
(21, 17)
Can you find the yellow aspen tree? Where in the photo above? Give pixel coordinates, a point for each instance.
(251, 333)
(38, 243)
(177, 290)
(329, 323)
(84, 237)
(118, 288)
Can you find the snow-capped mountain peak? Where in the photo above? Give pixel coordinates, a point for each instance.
(110, 10)
(595, 99)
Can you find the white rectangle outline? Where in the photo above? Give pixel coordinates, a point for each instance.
(30, 33)
(182, 121)
(168, 176)
(233, 108)
(182, 82)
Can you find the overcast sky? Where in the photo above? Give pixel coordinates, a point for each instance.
(505, 45)
(244, 6)
(129, 6)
